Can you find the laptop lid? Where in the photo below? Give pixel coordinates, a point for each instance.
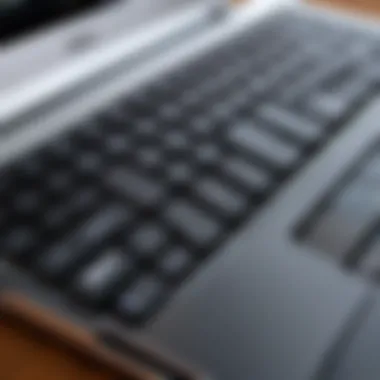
(39, 36)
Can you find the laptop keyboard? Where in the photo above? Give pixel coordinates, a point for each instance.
(119, 211)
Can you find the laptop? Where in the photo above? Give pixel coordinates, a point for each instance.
(196, 183)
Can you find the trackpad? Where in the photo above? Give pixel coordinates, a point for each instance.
(260, 312)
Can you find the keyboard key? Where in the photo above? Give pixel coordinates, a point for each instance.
(328, 106)
(147, 129)
(136, 186)
(202, 125)
(180, 173)
(294, 125)
(150, 157)
(19, 242)
(170, 112)
(208, 154)
(148, 240)
(176, 143)
(193, 223)
(64, 212)
(97, 282)
(222, 196)
(32, 169)
(65, 255)
(255, 179)
(61, 182)
(28, 202)
(140, 299)
(263, 144)
(176, 263)
(334, 102)
(117, 145)
(90, 163)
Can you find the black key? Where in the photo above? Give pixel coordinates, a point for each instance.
(176, 263)
(336, 98)
(208, 154)
(202, 125)
(255, 179)
(62, 149)
(289, 123)
(329, 106)
(176, 141)
(117, 144)
(148, 240)
(150, 157)
(193, 223)
(170, 112)
(63, 213)
(28, 201)
(136, 186)
(325, 69)
(19, 242)
(146, 129)
(180, 173)
(222, 196)
(96, 283)
(139, 300)
(85, 198)
(223, 111)
(265, 145)
(61, 182)
(89, 163)
(67, 254)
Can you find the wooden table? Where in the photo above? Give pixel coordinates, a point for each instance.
(36, 345)
(22, 359)
(359, 6)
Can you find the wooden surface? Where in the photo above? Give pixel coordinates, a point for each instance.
(371, 7)
(23, 357)
(36, 345)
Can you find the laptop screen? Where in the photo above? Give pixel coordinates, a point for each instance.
(20, 17)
